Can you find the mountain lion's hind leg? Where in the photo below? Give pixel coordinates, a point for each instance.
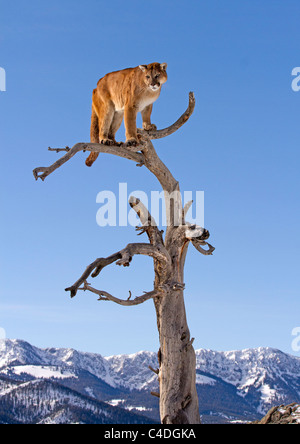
(115, 125)
(105, 120)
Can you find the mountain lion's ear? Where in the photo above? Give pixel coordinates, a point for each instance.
(143, 67)
(163, 66)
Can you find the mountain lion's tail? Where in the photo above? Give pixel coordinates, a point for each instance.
(94, 138)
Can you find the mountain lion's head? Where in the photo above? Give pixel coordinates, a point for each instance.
(154, 75)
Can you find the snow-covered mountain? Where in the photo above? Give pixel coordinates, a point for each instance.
(64, 385)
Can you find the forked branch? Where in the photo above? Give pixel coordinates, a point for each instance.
(124, 257)
(43, 172)
(104, 296)
(120, 150)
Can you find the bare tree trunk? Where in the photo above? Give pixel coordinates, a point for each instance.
(177, 373)
(176, 356)
(177, 360)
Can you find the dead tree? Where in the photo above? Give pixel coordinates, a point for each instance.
(176, 356)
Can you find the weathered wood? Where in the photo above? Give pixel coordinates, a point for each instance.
(98, 147)
(158, 134)
(177, 362)
(104, 296)
(124, 257)
(120, 149)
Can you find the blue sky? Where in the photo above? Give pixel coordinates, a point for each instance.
(241, 147)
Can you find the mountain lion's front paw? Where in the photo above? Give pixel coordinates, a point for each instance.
(107, 141)
(149, 127)
(132, 142)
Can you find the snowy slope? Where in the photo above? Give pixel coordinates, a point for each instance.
(45, 402)
(265, 374)
(237, 383)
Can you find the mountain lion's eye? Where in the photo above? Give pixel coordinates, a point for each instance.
(148, 77)
(157, 75)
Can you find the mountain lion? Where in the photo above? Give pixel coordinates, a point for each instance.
(124, 93)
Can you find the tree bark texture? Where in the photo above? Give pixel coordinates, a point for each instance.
(176, 356)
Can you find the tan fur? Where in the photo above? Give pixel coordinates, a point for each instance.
(123, 94)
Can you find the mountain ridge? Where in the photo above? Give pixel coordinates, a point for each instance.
(239, 384)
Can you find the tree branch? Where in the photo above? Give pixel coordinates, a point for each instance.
(58, 150)
(158, 134)
(197, 244)
(99, 264)
(158, 168)
(98, 147)
(198, 235)
(104, 296)
(196, 232)
(120, 149)
(185, 210)
(124, 257)
(148, 223)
